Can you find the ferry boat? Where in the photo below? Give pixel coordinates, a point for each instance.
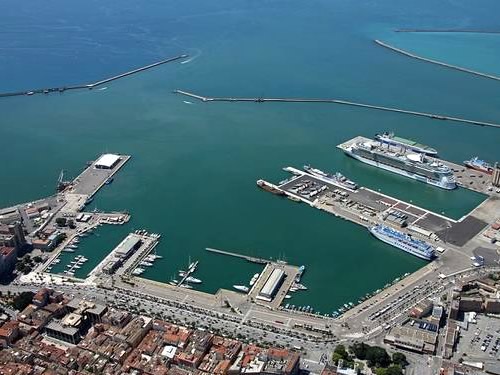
(403, 241)
(254, 279)
(414, 165)
(241, 288)
(391, 139)
(337, 178)
(269, 187)
(479, 165)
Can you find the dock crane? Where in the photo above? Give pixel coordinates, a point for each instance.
(61, 184)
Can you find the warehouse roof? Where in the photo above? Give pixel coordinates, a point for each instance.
(272, 283)
(107, 160)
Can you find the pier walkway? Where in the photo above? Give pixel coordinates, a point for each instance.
(188, 273)
(337, 101)
(246, 257)
(436, 62)
(90, 86)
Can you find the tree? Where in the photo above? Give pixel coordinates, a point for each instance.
(71, 223)
(394, 370)
(359, 350)
(399, 359)
(22, 300)
(38, 259)
(61, 221)
(377, 357)
(339, 353)
(340, 350)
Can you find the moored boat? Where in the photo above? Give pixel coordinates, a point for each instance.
(241, 288)
(479, 165)
(269, 187)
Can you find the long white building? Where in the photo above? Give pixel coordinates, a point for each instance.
(272, 285)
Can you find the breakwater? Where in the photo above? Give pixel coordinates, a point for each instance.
(471, 31)
(337, 101)
(91, 85)
(436, 62)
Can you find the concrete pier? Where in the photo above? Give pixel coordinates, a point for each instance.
(337, 101)
(367, 207)
(290, 273)
(436, 62)
(246, 257)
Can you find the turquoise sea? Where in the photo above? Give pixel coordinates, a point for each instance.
(194, 166)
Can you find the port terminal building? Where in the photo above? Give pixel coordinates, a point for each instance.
(107, 161)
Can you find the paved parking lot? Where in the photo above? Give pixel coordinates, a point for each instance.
(481, 342)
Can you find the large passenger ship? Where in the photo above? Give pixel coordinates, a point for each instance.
(392, 139)
(403, 241)
(413, 165)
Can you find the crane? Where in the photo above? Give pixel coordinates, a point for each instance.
(61, 184)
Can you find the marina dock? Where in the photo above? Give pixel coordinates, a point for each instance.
(92, 85)
(337, 101)
(126, 256)
(191, 269)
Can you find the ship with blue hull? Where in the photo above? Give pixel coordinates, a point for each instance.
(394, 159)
(403, 241)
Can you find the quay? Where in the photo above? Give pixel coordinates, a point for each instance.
(92, 85)
(337, 101)
(436, 62)
(246, 257)
(367, 207)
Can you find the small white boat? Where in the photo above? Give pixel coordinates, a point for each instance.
(254, 279)
(193, 280)
(241, 288)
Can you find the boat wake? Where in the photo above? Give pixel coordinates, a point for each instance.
(194, 57)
